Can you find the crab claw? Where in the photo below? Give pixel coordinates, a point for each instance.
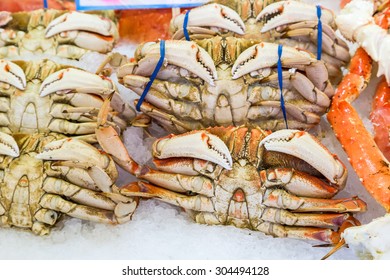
(12, 74)
(265, 55)
(213, 15)
(8, 145)
(80, 21)
(304, 146)
(72, 79)
(187, 55)
(287, 12)
(71, 150)
(196, 144)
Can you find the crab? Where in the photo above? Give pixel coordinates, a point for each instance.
(43, 176)
(279, 183)
(212, 84)
(42, 96)
(290, 23)
(54, 32)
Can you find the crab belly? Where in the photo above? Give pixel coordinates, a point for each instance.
(238, 197)
(21, 191)
(226, 102)
(29, 112)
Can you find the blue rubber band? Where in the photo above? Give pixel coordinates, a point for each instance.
(319, 35)
(153, 77)
(185, 24)
(45, 4)
(280, 79)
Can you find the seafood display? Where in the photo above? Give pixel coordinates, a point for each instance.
(249, 89)
(55, 32)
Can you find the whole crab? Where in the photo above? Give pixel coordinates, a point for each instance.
(236, 84)
(43, 96)
(54, 32)
(228, 75)
(278, 183)
(44, 175)
(41, 102)
(290, 23)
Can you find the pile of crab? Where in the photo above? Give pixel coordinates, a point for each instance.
(240, 84)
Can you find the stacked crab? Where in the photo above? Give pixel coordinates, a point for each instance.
(222, 90)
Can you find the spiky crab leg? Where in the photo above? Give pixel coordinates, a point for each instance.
(380, 117)
(105, 205)
(366, 158)
(364, 155)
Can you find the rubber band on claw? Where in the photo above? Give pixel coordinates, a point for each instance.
(153, 77)
(185, 24)
(319, 36)
(280, 79)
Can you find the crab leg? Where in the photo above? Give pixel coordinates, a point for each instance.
(365, 157)
(205, 206)
(12, 74)
(297, 182)
(169, 121)
(56, 203)
(77, 194)
(281, 199)
(369, 163)
(81, 154)
(329, 45)
(210, 15)
(111, 143)
(380, 117)
(303, 85)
